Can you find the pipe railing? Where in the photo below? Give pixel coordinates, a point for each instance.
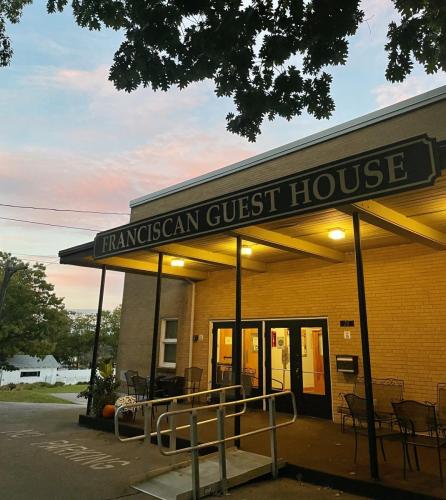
(148, 405)
(221, 440)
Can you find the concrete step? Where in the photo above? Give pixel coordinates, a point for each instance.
(241, 467)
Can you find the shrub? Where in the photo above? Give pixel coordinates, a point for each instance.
(59, 384)
(103, 390)
(8, 387)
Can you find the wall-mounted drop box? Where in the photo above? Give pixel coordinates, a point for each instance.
(346, 363)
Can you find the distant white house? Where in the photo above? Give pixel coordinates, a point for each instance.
(31, 369)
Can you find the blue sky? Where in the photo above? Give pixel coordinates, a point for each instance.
(68, 139)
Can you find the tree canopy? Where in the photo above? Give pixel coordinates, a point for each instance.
(74, 347)
(34, 321)
(272, 57)
(32, 317)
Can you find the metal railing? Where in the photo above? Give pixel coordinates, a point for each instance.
(148, 405)
(221, 440)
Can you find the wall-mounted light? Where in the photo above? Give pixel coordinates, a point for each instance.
(177, 263)
(246, 250)
(336, 234)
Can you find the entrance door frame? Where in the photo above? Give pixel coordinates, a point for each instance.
(250, 323)
(321, 405)
(264, 358)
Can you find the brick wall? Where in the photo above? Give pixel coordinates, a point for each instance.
(405, 289)
(135, 339)
(406, 299)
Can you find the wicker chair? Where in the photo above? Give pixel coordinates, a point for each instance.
(418, 427)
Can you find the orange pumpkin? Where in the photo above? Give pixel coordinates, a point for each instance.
(108, 411)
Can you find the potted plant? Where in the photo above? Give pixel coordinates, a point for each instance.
(103, 389)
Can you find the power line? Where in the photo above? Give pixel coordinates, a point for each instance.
(33, 255)
(62, 209)
(52, 225)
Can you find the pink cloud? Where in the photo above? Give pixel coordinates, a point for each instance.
(80, 286)
(72, 180)
(391, 93)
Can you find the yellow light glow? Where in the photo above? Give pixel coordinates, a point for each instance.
(177, 263)
(246, 250)
(336, 234)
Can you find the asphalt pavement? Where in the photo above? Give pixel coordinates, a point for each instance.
(46, 455)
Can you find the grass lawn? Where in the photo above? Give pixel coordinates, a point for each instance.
(30, 397)
(40, 394)
(63, 388)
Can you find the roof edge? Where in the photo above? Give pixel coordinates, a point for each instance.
(380, 115)
(78, 248)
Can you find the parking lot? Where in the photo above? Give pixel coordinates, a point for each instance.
(46, 455)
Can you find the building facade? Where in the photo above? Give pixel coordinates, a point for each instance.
(300, 317)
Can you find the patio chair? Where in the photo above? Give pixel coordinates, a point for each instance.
(358, 411)
(141, 388)
(247, 383)
(385, 392)
(192, 377)
(129, 374)
(418, 427)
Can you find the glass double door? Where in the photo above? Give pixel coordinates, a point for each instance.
(293, 354)
(297, 360)
(222, 356)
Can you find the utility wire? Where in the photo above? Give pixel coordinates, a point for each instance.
(52, 225)
(62, 209)
(14, 254)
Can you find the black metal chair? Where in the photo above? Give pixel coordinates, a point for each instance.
(171, 385)
(385, 391)
(358, 411)
(192, 377)
(418, 427)
(141, 388)
(129, 374)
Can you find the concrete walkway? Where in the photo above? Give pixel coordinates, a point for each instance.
(71, 397)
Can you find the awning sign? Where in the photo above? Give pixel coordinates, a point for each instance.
(398, 167)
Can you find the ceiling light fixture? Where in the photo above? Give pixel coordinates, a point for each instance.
(246, 250)
(336, 234)
(177, 263)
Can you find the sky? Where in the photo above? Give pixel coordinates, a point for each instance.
(69, 140)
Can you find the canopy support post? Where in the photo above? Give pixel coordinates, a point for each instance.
(156, 320)
(237, 341)
(94, 359)
(365, 349)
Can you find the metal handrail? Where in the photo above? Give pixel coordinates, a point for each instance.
(174, 399)
(217, 406)
(222, 439)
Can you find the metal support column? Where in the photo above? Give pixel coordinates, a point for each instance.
(156, 320)
(237, 340)
(365, 349)
(94, 359)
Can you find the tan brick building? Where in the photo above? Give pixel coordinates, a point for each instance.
(299, 299)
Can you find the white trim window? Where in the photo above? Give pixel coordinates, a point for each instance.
(168, 343)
